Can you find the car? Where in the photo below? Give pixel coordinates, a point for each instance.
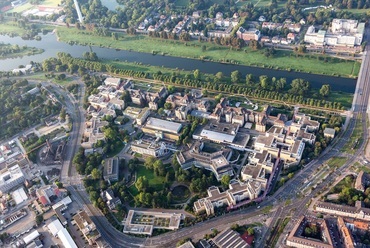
(258, 206)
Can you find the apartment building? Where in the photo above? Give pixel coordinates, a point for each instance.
(238, 191)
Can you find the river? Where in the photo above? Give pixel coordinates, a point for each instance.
(51, 47)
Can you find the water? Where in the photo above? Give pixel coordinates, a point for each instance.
(111, 4)
(51, 46)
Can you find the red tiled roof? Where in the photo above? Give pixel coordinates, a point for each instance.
(43, 200)
(248, 238)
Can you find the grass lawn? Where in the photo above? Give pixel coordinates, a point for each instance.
(41, 76)
(155, 182)
(116, 150)
(284, 60)
(335, 162)
(11, 27)
(356, 137)
(343, 98)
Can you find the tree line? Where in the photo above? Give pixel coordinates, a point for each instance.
(268, 88)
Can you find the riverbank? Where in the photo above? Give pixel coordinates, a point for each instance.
(344, 98)
(8, 51)
(282, 60)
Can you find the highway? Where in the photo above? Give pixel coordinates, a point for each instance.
(288, 191)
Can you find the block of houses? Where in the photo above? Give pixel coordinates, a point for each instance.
(297, 239)
(237, 192)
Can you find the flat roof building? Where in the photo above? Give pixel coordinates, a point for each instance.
(162, 128)
(163, 125)
(229, 239)
(217, 162)
(143, 222)
(11, 178)
(149, 147)
(87, 227)
(111, 169)
(223, 133)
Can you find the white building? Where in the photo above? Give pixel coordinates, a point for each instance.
(57, 230)
(11, 178)
(342, 32)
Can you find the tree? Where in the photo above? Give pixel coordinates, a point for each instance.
(250, 231)
(234, 227)
(159, 168)
(325, 90)
(142, 183)
(255, 45)
(225, 180)
(218, 98)
(96, 174)
(235, 76)
(59, 184)
(62, 115)
(299, 86)
(167, 105)
(291, 175)
(196, 74)
(39, 219)
(219, 75)
(149, 162)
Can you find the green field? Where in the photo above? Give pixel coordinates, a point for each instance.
(155, 182)
(343, 98)
(283, 60)
(11, 27)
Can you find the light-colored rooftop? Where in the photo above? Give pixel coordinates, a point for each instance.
(163, 125)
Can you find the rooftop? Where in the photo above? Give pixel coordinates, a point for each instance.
(230, 239)
(163, 125)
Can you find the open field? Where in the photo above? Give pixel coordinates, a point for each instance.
(283, 60)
